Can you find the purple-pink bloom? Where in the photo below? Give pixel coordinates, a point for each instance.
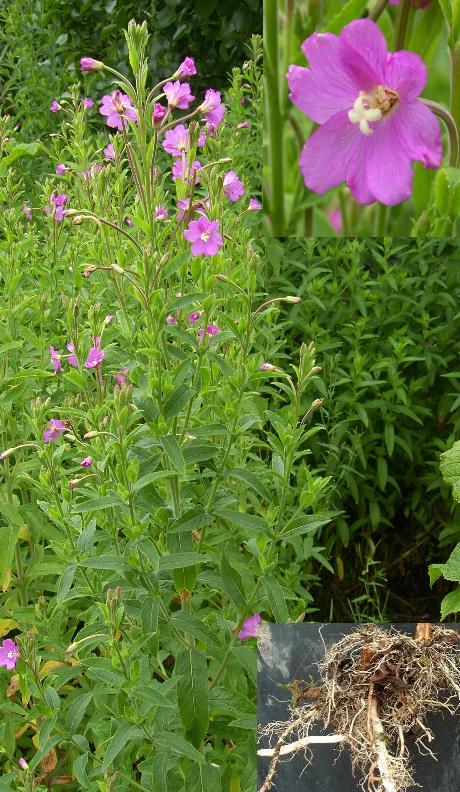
(214, 118)
(55, 359)
(335, 219)
(127, 220)
(210, 330)
(95, 355)
(27, 212)
(59, 199)
(176, 140)
(158, 114)
(109, 153)
(254, 205)
(249, 628)
(160, 212)
(87, 102)
(117, 107)
(243, 125)
(204, 236)
(61, 169)
(186, 69)
(233, 187)
(108, 319)
(202, 139)
(211, 101)
(90, 64)
(55, 106)
(372, 123)
(171, 320)
(9, 654)
(86, 462)
(53, 430)
(72, 360)
(178, 94)
(23, 764)
(180, 170)
(194, 316)
(120, 376)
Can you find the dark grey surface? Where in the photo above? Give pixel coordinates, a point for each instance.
(290, 651)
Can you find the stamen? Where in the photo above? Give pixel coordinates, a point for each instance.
(205, 236)
(369, 108)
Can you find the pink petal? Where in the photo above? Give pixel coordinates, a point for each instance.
(406, 73)
(327, 156)
(388, 167)
(368, 42)
(317, 97)
(419, 133)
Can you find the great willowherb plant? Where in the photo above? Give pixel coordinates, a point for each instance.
(147, 491)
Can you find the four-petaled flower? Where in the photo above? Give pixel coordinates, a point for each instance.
(55, 106)
(87, 102)
(210, 330)
(120, 376)
(27, 212)
(55, 359)
(109, 153)
(117, 107)
(9, 654)
(86, 462)
(176, 140)
(160, 212)
(53, 430)
(249, 628)
(254, 205)
(181, 172)
(194, 316)
(95, 355)
(158, 114)
(71, 358)
(204, 236)
(233, 187)
(61, 169)
(372, 123)
(178, 94)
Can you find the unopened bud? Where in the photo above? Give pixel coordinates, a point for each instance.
(316, 369)
(117, 268)
(292, 299)
(316, 404)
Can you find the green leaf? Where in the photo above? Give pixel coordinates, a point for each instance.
(177, 401)
(202, 778)
(253, 481)
(306, 523)
(8, 538)
(174, 743)
(451, 603)
(249, 522)
(64, 583)
(179, 560)
(450, 570)
(192, 625)
(149, 614)
(173, 451)
(107, 502)
(450, 468)
(382, 472)
(22, 150)
(117, 742)
(192, 693)
(276, 600)
(349, 11)
(389, 438)
(106, 562)
(232, 583)
(76, 711)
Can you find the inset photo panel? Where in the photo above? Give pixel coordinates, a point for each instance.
(351, 707)
(362, 111)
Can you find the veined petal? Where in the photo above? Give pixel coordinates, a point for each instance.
(327, 157)
(388, 168)
(419, 133)
(405, 73)
(317, 97)
(368, 42)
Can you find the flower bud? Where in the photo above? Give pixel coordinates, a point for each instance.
(90, 64)
(292, 300)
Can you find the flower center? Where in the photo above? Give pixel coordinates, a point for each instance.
(118, 103)
(11, 655)
(372, 107)
(205, 236)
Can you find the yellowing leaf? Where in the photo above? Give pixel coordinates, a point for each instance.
(6, 625)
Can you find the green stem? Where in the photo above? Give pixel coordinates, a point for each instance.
(377, 12)
(344, 214)
(455, 88)
(275, 120)
(451, 127)
(401, 24)
(381, 220)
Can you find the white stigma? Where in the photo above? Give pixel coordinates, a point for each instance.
(205, 236)
(10, 655)
(362, 113)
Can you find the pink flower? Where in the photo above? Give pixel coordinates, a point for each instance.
(178, 94)
(23, 764)
(61, 169)
(95, 355)
(267, 367)
(210, 330)
(335, 219)
(372, 123)
(128, 221)
(254, 205)
(158, 114)
(202, 139)
(90, 64)
(9, 654)
(117, 107)
(179, 172)
(72, 360)
(242, 125)
(109, 153)
(59, 199)
(27, 212)
(87, 102)
(233, 187)
(55, 359)
(186, 69)
(120, 376)
(55, 106)
(194, 316)
(160, 213)
(249, 628)
(176, 140)
(86, 462)
(204, 236)
(53, 430)
(211, 101)
(171, 320)
(108, 319)
(214, 118)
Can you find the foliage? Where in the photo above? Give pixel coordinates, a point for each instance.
(383, 315)
(450, 469)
